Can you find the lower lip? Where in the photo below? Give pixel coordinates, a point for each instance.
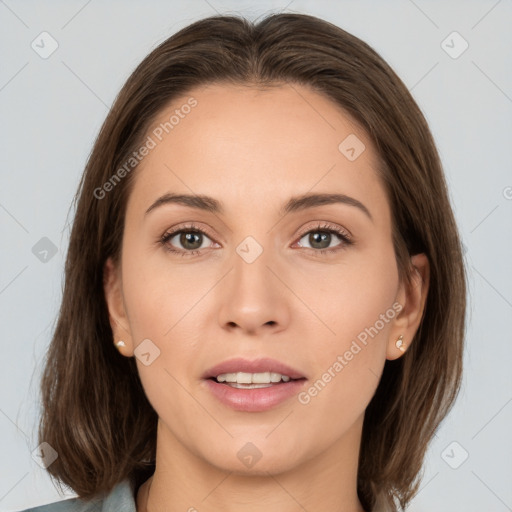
(257, 399)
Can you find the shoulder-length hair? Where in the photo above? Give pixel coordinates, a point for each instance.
(94, 410)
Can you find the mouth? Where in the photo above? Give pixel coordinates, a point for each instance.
(262, 371)
(253, 386)
(244, 380)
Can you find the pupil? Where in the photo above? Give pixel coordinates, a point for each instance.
(320, 237)
(188, 238)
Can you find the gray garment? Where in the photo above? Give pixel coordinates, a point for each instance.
(120, 499)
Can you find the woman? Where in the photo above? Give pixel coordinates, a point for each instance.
(264, 300)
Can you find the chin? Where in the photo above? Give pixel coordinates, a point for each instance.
(254, 458)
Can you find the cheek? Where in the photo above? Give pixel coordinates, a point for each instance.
(347, 370)
(349, 350)
(350, 297)
(160, 294)
(162, 303)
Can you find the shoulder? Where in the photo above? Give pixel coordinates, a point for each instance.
(121, 498)
(69, 505)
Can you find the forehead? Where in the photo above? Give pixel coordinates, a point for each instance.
(239, 142)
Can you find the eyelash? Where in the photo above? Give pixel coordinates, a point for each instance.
(321, 227)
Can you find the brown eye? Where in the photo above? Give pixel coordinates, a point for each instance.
(185, 240)
(190, 240)
(319, 239)
(322, 238)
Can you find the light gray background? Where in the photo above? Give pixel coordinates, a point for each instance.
(52, 109)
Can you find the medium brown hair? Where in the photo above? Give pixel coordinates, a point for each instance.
(95, 412)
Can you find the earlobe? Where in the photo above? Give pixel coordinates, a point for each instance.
(399, 343)
(117, 315)
(412, 296)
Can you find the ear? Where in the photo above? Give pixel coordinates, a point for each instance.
(412, 297)
(112, 285)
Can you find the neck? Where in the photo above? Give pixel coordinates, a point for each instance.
(184, 481)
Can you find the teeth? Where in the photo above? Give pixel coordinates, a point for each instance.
(248, 386)
(252, 378)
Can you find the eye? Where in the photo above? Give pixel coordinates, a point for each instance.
(191, 239)
(320, 238)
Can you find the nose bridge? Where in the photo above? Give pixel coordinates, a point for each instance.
(253, 297)
(251, 276)
(250, 264)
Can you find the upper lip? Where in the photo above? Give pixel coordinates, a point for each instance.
(260, 365)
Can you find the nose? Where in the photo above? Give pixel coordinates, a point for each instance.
(253, 299)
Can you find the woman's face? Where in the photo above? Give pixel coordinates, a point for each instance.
(250, 278)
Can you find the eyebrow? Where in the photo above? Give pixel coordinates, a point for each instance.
(294, 204)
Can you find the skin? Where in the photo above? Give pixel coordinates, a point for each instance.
(252, 150)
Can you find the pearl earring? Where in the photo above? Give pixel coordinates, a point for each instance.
(399, 343)
(120, 344)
